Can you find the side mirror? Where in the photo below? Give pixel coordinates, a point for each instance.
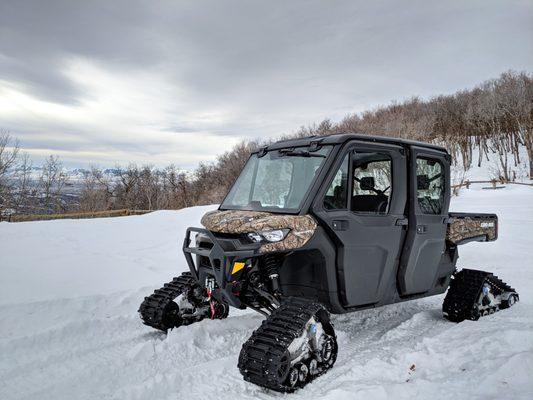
(367, 183)
(422, 182)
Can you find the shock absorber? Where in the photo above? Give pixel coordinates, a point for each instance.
(270, 266)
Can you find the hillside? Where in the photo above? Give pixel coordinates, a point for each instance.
(69, 328)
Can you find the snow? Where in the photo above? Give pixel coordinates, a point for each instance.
(77, 258)
(69, 327)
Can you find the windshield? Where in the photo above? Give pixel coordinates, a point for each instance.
(277, 181)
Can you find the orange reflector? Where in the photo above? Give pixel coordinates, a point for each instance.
(237, 266)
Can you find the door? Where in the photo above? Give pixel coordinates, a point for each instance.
(362, 205)
(428, 212)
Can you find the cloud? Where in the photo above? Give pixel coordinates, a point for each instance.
(183, 81)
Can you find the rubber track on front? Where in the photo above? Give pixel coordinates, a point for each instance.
(152, 309)
(464, 291)
(261, 356)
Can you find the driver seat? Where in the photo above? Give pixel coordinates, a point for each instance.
(374, 203)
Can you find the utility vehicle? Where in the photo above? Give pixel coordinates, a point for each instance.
(322, 225)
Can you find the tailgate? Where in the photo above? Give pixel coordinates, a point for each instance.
(472, 227)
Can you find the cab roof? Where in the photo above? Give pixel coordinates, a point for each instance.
(340, 138)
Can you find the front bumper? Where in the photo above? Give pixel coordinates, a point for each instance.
(221, 255)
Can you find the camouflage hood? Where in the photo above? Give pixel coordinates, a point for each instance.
(301, 227)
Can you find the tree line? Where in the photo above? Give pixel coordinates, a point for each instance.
(494, 117)
(21, 190)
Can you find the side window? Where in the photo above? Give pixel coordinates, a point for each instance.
(372, 182)
(336, 195)
(429, 185)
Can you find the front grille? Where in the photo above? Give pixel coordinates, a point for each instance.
(241, 237)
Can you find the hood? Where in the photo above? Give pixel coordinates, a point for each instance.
(301, 227)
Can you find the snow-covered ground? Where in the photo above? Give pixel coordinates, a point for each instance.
(70, 289)
(490, 167)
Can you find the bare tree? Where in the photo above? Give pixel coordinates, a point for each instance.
(96, 193)
(149, 187)
(26, 191)
(52, 182)
(126, 187)
(9, 149)
(178, 188)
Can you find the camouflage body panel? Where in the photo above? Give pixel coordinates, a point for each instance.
(465, 227)
(301, 227)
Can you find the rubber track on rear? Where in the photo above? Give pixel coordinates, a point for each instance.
(152, 309)
(464, 291)
(262, 355)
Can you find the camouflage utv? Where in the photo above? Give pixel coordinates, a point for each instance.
(334, 224)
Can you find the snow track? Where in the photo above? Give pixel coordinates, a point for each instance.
(69, 327)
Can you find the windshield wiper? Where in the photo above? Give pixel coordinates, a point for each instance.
(299, 153)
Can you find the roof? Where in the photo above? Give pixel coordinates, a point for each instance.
(340, 138)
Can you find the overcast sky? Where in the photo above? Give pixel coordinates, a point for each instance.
(101, 82)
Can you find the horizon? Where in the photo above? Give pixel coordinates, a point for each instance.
(180, 83)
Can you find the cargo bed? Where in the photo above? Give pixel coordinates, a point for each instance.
(472, 227)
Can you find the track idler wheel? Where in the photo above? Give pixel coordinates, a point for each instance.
(511, 301)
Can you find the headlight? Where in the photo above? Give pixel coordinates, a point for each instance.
(272, 236)
(254, 237)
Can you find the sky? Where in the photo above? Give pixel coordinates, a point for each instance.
(160, 82)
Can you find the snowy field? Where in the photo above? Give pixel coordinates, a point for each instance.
(69, 329)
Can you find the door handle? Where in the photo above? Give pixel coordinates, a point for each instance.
(421, 229)
(402, 222)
